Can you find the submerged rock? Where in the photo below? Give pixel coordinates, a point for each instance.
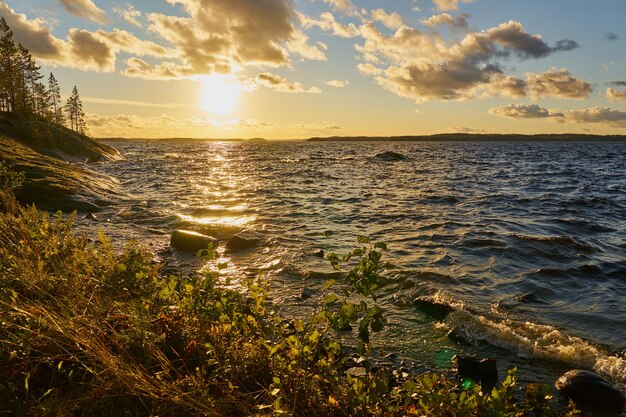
(484, 371)
(590, 391)
(243, 240)
(391, 156)
(188, 241)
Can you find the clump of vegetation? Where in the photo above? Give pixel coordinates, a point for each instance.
(89, 330)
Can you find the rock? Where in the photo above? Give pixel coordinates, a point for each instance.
(484, 371)
(91, 216)
(318, 254)
(438, 311)
(306, 293)
(357, 372)
(591, 392)
(243, 240)
(391, 156)
(191, 241)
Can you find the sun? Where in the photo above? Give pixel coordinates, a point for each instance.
(220, 94)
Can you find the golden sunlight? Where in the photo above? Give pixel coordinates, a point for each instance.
(220, 94)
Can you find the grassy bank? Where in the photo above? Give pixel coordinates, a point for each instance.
(87, 330)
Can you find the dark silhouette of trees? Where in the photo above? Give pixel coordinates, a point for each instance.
(76, 115)
(54, 95)
(21, 89)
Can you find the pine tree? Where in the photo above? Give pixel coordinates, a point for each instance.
(54, 94)
(8, 68)
(76, 115)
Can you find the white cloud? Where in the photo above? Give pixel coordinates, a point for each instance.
(338, 83)
(444, 5)
(391, 20)
(615, 95)
(129, 14)
(558, 83)
(85, 9)
(278, 83)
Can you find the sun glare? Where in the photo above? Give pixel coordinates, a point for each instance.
(220, 94)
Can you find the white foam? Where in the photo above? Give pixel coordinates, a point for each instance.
(529, 339)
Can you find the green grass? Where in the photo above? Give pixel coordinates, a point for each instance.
(91, 331)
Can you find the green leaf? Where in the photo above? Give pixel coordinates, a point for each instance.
(330, 299)
(363, 239)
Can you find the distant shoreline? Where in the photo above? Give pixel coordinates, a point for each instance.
(445, 137)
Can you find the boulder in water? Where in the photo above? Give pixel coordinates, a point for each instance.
(591, 392)
(391, 156)
(484, 371)
(188, 241)
(243, 240)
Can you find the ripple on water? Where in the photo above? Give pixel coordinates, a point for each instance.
(541, 227)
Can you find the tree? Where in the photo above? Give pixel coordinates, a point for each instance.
(8, 67)
(54, 95)
(76, 115)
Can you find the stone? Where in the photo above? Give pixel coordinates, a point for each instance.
(189, 241)
(318, 254)
(243, 240)
(390, 156)
(479, 370)
(306, 293)
(91, 216)
(591, 392)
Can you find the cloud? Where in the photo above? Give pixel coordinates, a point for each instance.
(278, 83)
(338, 83)
(605, 116)
(458, 23)
(557, 83)
(391, 20)
(33, 34)
(129, 14)
(166, 126)
(615, 95)
(443, 5)
(90, 51)
(138, 68)
(521, 111)
(610, 36)
(328, 23)
(345, 6)
(598, 115)
(85, 9)
(225, 36)
(618, 83)
(424, 67)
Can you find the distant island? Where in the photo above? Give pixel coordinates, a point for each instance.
(472, 137)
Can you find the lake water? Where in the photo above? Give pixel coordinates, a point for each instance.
(526, 242)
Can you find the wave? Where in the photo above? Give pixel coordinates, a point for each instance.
(533, 340)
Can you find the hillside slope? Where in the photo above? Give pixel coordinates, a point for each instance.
(50, 156)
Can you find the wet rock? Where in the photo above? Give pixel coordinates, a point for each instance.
(188, 241)
(432, 309)
(591, 392)
(243, 240)
(480, 370)
(91, 216)
(319, 253)
(391, 156)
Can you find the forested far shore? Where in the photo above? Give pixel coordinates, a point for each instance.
(477, 137)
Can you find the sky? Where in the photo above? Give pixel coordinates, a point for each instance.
(283, 69)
